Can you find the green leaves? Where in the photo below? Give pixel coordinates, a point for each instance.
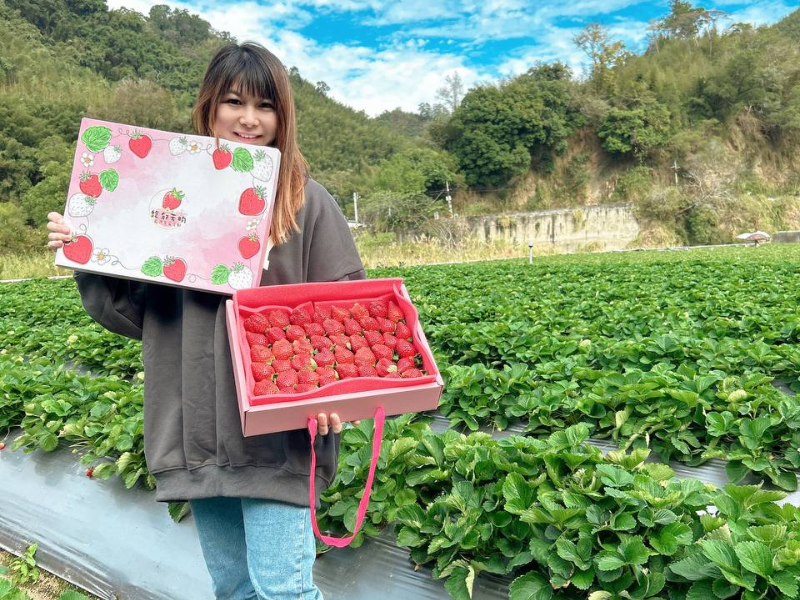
(109, 179)
(96, 138)
(530, 587)
(242, 160)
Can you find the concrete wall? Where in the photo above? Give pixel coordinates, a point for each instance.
(603, 227)
(786, 237)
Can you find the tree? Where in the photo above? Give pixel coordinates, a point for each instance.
(636, 130)
(603, 53)
(322, 88)
(452, 92)
(416, 171)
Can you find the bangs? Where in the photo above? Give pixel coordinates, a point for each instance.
(246, 74)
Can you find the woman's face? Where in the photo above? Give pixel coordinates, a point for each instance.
(246, 119)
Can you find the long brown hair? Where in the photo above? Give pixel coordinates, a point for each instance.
(253, 70)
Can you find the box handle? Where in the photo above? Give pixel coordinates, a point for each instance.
(377, 438)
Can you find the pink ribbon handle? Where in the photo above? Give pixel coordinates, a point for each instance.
(377, 438)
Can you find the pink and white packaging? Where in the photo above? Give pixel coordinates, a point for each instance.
(169, 208)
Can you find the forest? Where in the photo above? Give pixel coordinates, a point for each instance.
(699, 132)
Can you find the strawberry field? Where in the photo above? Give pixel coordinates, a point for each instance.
(672, 357)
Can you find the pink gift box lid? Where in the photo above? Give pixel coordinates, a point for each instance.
(169, 208)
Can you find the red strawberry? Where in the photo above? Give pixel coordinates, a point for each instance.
(274, 334)
(265, 388)
(351, 327)
(405, 349)
(278, 318)
(79, 250)
(381, 351)
(303, 361)
(405, 363)
(347, 371)
(327, 379)
(326, 372)
(249, 245)
(282, 365)
(378, 308)
(373, 337)
(300, 317)
(340, 340)
(314, 329)
(259, 353)
(369, 324)
(367, 371)
(287, 390)
(323, 311)
(252, 202)
(174, 268)
(393, 375)
(172, 199)
(255, 338)
(89, 472)
(302, 347)
(308, 376)
(286, 379)
(262, 370)
(304, 387)
(358, 341)
(140, 144)
(222, 158)
(343, 356)
(385, 366)
(256, 323)
(324, 358)
(339, 314)
(389, 340)
(403, 332)
(90, 184)
(332, 327)
(393, 313)
(282, 349)
(385, 325)
(320, 342)
(411, 373)
(359, 311)
(364, 356)
(295, 332)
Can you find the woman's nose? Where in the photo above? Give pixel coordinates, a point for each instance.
(248, 116)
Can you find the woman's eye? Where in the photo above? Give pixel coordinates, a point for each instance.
(267, 105)
(233, 101)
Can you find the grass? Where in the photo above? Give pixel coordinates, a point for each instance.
(48, 586)
(38, 263)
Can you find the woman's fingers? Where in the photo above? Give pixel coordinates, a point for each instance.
(323, 423)
(59, 231)
(336, 423)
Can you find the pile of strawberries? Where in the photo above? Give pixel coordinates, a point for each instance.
(300, 352)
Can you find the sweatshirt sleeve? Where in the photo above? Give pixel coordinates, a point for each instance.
(332, 253)
(116, 304)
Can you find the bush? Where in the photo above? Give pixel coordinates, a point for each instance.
(634, 184)
(15, 236)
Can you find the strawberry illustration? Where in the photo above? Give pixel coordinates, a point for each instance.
(112, 154)
(240, 277)
(177, 145)
(90, 184)
(252, 202)
(81, 205)
(249, 246)
(140, 144)
(262, 166)
(172, 199)
(222, 157)
(79, 250)
(174, 268)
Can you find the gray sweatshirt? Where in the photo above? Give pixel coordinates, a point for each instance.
(193, 439)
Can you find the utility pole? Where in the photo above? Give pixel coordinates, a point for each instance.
(449, 199)
(675, 168)
(355, 205)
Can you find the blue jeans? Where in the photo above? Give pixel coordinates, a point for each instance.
(257, 549)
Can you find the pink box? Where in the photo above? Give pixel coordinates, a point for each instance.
(169, 208)
(351, 399)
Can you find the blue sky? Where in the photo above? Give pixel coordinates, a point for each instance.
(377, 55)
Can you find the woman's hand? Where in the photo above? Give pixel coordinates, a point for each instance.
(59, 231)
(335, 423)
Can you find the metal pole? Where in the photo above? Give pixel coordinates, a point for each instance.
(355, 205)
(449, 199)
(530, 252)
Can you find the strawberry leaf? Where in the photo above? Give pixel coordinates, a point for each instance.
(109, 179)
(531, 586)
(220, 274)
(96, 138)
(153, 267)
(242, 160)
